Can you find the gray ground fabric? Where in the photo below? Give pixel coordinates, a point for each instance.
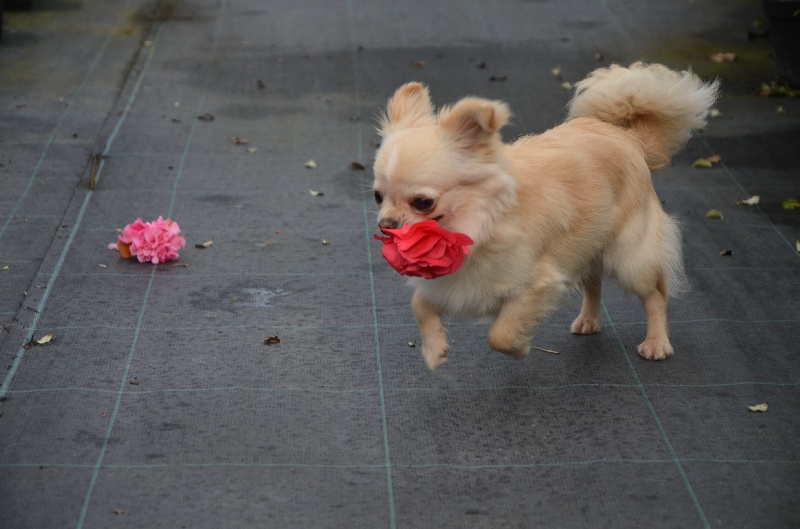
(157, 404)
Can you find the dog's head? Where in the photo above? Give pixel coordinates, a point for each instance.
(448, 167)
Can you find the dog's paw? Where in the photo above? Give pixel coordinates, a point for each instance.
(655, 349)
(435, 354)
(585, 325)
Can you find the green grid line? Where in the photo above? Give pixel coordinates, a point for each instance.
(368, 243)
(414, 389)
(261, 326)
(701, 513)
(409, 466)
(134, 95)
(51, 139)
(192, 275)
(657, 420)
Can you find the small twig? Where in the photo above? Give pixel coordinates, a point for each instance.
(546, 350)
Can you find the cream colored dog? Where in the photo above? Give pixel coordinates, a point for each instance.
(549, 213)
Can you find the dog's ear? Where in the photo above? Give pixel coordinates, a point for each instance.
(409, 107)
(474, 122)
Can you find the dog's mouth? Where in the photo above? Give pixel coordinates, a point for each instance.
(383, 230)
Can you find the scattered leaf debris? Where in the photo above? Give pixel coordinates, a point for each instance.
(498, 78)
(722, 56)
(780, 110)
(325, 242)
(47, 338)
(774, 89)
(566, 85)
(179, 265)
(101, 265)
(118, 512)
(206, 117)
(358, 166)
(6, 267)
(759, 407)
(311, 164)
(714, 214)
(480, 65)
(705, 163)
(316, 193)
(236, 140)
(797, 246)
(726, 253)
(251, 150)
(791, 203)
(204, 245)
(412, 344)
(272, 340)
(417, 64)
(134, 381)
(598, 56)
(715, 113)
(752, 201)
(556, 71)
(546, 350)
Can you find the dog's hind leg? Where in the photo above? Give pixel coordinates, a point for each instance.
(656, 345)
(588, 321)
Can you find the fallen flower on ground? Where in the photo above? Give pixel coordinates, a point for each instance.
(155, 242)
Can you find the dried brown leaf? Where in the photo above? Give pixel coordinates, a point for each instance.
(204, 245)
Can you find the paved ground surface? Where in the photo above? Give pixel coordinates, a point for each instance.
(341, 425)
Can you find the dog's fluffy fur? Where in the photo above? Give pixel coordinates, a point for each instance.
(548, 213)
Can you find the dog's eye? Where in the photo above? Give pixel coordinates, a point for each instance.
(422, 204)
(378, 198)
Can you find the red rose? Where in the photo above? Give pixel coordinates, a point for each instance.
(424, 249)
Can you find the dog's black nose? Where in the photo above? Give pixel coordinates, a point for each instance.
(387, 224)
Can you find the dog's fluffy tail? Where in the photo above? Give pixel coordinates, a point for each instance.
(660, 105)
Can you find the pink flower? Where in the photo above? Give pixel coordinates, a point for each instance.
(156, 242)
(424, 249)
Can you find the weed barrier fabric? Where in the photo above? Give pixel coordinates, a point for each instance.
(157, 402)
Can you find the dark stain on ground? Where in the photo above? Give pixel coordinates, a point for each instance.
(167, 11)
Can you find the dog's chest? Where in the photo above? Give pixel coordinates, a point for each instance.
(472, 293)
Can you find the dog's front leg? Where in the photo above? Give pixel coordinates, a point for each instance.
(511, 333)
(434, 336)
